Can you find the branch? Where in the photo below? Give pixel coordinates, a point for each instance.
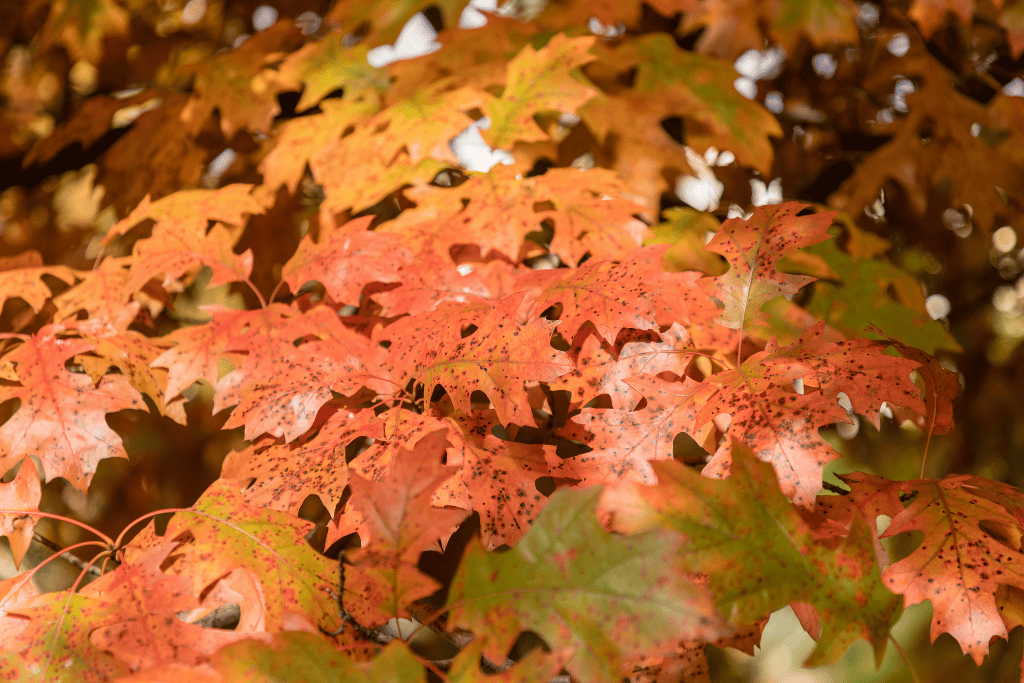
(82, 565)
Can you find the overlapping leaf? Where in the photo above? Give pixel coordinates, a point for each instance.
(971, 546)
(402, 523)
(229, 533)
(62, 417)
(753, 249)
(497, 359)
(743, 535)
(571, 582)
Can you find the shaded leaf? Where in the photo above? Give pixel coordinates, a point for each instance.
(574, 584)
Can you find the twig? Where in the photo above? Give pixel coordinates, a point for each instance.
(87, 567)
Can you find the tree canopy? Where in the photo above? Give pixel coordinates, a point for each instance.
(550, 341)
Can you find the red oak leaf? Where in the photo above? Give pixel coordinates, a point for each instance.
(467, 214)
(592, 214)
(39, 638)
(101, 294)
(227, 533)
(280, 387)
(780, 424)
(303, 139)
(498, 358)
(175, 250)
(22, 493)
(402, 523)
(143, 629)
(608, 295)
(22, 277)
(539, 80)
(235, 335)
(350, 258)
(500, 477)
(624, 442)
(429, 281)
(396, 428)
(753, 249)
(285, 474)
(960, 563)
(132, 354)
(191, 210)
(235, 83)
(603, 369)
(62, 417)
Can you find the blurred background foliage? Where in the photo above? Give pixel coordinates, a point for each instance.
(905, 115)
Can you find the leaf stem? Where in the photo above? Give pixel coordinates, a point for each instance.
(32, 572)
(120, 536)
(68, 557)
(905, 658)
(49, 515)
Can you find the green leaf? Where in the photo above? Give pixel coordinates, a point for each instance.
(862, 302)
(609, 599)
(231, 533)
(686, 229)
(327, 65)
(760, 555)
(299, 657)
(540, 80)
(700, 88)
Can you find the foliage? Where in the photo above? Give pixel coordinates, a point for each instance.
(537, 409)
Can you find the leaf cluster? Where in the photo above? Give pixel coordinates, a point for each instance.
(633, 405)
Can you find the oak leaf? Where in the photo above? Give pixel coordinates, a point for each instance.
(101, 295)
(132, 354)
(603, 368)
(859, 299)
(781, 425)
(328, 64)
(962, 560)
(302, 140)
(536, 665)
(62, 417)
(279, 386)
(430, 280)
(498, 476)
(227, 533)
(143, 628)
(196, 351)
(402, 523)
(733, 28)
(498, 358)
(572, 583)
(350, 258)
(539, 80)
(743, 534)
(607, 295)
(237, 85)
(285, 474)
(383, 20)
(753, 249)
(190, 211)
(41, 641)
(623, 442)
(22, 493)
(22, 277)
